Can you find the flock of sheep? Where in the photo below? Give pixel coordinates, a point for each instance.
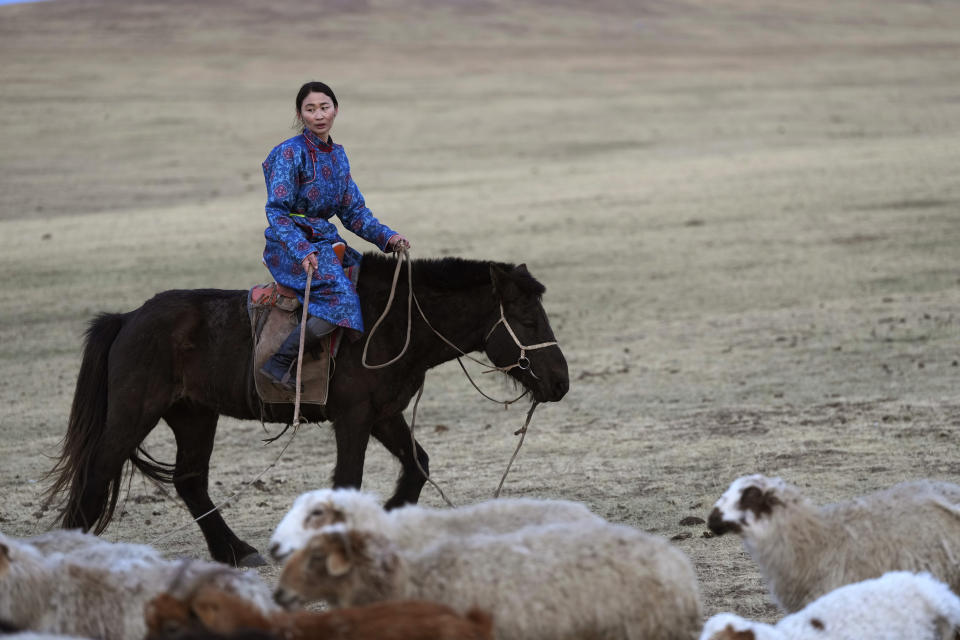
(885, 566)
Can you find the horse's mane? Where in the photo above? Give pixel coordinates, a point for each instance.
(452, 274)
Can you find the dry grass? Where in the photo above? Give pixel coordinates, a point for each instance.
(747, 221)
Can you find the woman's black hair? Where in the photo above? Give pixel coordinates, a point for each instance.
(319, 87)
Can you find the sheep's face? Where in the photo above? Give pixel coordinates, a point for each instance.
(319, 571)
(339, 565)
(311, 512)
(746, 504)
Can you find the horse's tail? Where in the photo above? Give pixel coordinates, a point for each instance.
(88, 417)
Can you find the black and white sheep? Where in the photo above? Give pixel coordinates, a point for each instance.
(805, 551)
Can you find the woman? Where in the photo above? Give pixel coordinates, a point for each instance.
(308, 182)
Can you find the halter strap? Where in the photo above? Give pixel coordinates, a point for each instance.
(523, 347)
(522, 363)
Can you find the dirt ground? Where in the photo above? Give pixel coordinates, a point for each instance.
(747, 216)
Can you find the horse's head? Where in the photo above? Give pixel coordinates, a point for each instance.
(522, 342)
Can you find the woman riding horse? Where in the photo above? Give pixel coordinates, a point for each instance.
(308, 181)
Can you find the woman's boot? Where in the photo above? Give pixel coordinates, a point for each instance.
(281, 367)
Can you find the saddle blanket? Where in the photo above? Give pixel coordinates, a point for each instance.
(274, 312)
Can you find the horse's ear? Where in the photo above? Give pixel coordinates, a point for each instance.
(503, 284)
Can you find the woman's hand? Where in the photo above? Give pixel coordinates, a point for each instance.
(310, 263)
(397, 243)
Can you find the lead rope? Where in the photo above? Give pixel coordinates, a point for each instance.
(522, 432)
(224, 503)
(303, 337)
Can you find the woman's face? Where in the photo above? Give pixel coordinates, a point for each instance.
(317, 114)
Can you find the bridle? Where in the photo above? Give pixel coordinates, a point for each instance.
(522, 363)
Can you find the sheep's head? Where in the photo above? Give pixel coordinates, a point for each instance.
(341, 566)
(166, 615)
(727, 626)
(746, 504)
(315, 510)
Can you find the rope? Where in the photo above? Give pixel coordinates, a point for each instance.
(404, 255)
(413, 443)
(412, 296)
(522, 433)
(303, 338)
(217, 507)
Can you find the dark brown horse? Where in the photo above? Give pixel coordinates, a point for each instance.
(186, 357)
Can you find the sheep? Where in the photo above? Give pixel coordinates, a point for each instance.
(220, 612)
(557, 581)
(98, 590)
(896, 606)
(62, 540)
(413, 527)
(805, 551)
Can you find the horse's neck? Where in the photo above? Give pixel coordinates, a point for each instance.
(462, 317)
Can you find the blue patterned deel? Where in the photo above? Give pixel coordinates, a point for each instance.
(308, 182)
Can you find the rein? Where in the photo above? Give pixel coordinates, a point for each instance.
(303, 337)
(523, 363)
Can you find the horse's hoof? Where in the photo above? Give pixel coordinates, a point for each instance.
(252, 560)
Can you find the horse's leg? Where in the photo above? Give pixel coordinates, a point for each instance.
(194, 428)
(352, 435)
(394, 434)
(102, 452)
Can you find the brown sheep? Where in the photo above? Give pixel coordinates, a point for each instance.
(220, 612)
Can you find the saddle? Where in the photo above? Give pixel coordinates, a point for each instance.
(274, 312)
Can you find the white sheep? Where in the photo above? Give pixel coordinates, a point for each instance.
(897, 606)
(557, 581)
(805, 551)
(62, 540)
(413, 527)
(99, 590)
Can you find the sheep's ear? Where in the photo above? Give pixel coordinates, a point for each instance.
(4, 558)
(338, 564)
